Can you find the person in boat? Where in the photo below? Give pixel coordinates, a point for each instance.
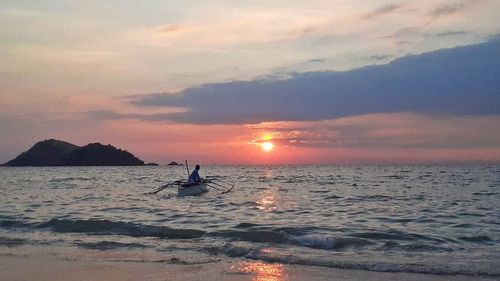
(195, 176)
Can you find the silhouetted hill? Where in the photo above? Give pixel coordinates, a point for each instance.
(59, 153)
(43, 153)
(96, 154)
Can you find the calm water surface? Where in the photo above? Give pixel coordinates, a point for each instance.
(436, 219)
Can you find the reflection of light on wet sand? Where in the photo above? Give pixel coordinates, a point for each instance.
(260, 271)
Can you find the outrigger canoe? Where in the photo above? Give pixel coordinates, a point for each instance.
(191, 189)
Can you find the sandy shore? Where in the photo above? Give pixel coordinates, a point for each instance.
(21, 268)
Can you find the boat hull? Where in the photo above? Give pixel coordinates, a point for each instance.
(192, 189)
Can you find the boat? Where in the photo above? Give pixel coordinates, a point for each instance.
(191, 189)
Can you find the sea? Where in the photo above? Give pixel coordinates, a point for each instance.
(418, 219)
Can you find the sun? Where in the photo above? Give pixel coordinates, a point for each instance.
(267, 146)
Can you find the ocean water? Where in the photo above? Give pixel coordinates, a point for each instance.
(426, 219)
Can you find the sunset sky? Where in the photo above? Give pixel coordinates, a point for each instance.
(340, 81)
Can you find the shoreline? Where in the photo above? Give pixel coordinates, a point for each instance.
(14, 267)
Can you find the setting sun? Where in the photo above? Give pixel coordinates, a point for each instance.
(267, 146)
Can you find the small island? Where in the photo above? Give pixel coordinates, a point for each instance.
(173, 163)
(60, 153)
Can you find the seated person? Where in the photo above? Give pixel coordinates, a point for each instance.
(195, 176)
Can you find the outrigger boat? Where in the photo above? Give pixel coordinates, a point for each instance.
(191, 189)
(197, 188)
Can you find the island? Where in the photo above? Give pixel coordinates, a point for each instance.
(60, 153)
(173, 163)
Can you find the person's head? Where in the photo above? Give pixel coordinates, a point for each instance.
(197, 167)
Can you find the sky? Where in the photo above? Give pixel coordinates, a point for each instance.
(326, 82)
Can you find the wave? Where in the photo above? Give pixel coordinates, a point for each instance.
(309, 237)
(396, 235)
(107, 245)
(319, 241)
(476, 239)
(484, 193)
(260, 236)
(374, 266)
(255, 253)
(11, 242)
(58, 180)
(11, 223)
(101, 227)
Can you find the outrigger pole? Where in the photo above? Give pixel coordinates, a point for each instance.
(165, 186)
(161, 188)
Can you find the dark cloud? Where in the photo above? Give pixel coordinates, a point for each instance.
(316, 60)
(112, 115)
(450, 33)
(382, 11)
(491, 37)
(377, 58)
(401, 43)
(169, 29)
(405, 32)
(452, 7)
(461, 81)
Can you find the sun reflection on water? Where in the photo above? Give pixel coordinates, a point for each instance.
(261, 271)
(267, 202)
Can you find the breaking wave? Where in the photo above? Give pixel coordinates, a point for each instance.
(106, 227)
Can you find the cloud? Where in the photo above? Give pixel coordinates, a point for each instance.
(492, 37)
(377, 58)
(169, 29)
(450, 33)
(461, 81)
(113, 115)
(383, 10)
(394, 130)
(452, 8)
(407, 32)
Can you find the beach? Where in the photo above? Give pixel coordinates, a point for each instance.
(55, 269)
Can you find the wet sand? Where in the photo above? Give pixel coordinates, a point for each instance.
(22, 268)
